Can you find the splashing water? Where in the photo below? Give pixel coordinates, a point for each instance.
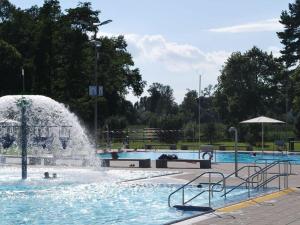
(48, 117)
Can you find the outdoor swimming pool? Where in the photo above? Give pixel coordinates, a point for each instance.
(82, 197)
(224, 157)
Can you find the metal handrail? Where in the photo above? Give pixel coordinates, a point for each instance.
(211, 188)
(260, 175)
(283, 160)
(236, 172)
(263, 173)
(224, 182)
(285, 174)
(269, 166)
(196, 178)
(245, 181)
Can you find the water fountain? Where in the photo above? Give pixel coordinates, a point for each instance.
(44, 128)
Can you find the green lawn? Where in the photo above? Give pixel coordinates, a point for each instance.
(229, 145)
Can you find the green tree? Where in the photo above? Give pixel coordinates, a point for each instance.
(59, 58)
(290, 36)
(249, 85)
(10, 69)
(161, 99)
(6, 10)
(190, 107)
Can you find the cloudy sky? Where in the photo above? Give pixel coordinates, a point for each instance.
(173, 41)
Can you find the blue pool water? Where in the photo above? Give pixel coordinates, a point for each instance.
(83, 197)
(225, 157)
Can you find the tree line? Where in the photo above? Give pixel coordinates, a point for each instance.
(55, 50)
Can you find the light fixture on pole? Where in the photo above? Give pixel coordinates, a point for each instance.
(97, 46)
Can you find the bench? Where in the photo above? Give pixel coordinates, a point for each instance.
(204, 163)
(171, 146)
(143, 163)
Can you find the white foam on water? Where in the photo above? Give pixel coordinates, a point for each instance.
(44, 111)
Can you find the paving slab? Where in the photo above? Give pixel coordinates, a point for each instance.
(280, 210)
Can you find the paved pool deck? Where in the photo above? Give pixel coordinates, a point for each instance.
(276, 209)
(280, 208)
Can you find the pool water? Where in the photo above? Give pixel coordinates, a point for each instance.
(85, 197)
(224, 157)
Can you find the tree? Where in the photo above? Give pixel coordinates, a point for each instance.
(249, 85)
(10, 69)
(59, 58)
(6, 9)
(190, 107)
(290, 37)
(160, 100)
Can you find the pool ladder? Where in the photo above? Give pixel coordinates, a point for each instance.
(258, 178)
(210, 189)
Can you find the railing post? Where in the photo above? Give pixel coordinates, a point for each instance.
(224, 184)
(182, 196)
(265, 175)
(209, 189)
(279, 179)
(248, 183)
(215, 155)
(286, 174)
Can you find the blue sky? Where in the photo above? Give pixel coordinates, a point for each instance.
(173, 41)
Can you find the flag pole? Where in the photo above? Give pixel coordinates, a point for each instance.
(199, 111)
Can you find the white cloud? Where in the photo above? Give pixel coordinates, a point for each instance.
(175, 64)
(172, 63)
(175, 57)
(259, 26)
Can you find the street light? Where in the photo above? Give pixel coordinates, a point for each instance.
(97, 45)
(233, 129)
(98, 25)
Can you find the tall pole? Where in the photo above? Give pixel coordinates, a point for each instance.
(22, 103)
(235, 152)
(96, 25)
(286, 103)
(23, 80)
(23, 130)
(199, 111)
(233, 129)
(24, 139)
(262, 138)
(96, 97)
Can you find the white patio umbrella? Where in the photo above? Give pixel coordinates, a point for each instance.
(262, 120)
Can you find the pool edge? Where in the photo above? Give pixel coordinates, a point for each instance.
(235, 206)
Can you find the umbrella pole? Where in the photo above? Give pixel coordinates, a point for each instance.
(262, 138)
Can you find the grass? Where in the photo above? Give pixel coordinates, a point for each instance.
(229, 145)
(269, 146)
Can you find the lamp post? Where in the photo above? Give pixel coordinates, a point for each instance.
(97, 45)
(233, 129)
